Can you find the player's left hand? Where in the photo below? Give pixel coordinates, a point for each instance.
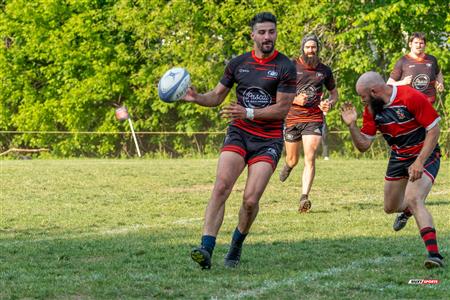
(234, 111)
(325, 105)
(348, 113)
(415, 171)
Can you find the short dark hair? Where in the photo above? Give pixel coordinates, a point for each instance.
(418, 35)
(261, 18)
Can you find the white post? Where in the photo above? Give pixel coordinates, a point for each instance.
(134, 137)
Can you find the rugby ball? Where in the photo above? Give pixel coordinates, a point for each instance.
(174, 84)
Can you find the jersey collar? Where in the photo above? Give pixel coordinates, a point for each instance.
(394, 94)
(264, 60)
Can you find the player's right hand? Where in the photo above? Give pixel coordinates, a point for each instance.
(301, 99)
(348, 113)
(191, 95)
(407, 80)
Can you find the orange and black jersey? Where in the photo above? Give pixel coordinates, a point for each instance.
(403, 122)
(310, 81)
(258, 81)
(423, 70)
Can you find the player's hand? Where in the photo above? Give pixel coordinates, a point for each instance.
(301, 99)
(234, 111)
(191, 95)
(325, 105)
(439, 87)
(348, 113)
(415, 171)
(407, 80)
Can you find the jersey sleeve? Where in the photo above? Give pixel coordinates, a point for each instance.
(396, 73)
(437, 69)
(228, 78)
(288, 80)
(330, 83)
(422, 109)
(369, 128)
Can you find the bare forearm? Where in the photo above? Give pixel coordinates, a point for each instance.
(334, 96)
(209, 99)
(431, 139)
(440, 78)
(273, 112)
(361, 142)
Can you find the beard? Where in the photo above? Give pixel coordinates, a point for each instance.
(266, 47)
(376, 105)
(312, 61)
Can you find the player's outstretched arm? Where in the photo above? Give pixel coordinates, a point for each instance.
(209, 99)
(349, 116)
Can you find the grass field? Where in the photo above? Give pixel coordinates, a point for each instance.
(110, 229)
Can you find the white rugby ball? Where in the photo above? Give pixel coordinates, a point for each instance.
(174, 84)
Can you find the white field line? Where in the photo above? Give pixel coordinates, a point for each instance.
(305, 277)
(114, 231)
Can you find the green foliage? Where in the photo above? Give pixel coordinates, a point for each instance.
(65, 64)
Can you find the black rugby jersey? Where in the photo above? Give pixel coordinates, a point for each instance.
(310, 81)
(258, 81)
(423, 70)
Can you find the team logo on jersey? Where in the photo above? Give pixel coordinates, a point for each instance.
(400, 114)
(255, 97)
(272, 74)
(420, 82)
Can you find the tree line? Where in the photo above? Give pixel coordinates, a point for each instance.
(65, 65)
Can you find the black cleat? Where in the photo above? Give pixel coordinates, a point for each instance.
(305, 204)
(433, 262)
(201, 256)
(284, 174)
(400, 221)
(233, 257)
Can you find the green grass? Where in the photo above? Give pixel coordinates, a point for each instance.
(121, 229)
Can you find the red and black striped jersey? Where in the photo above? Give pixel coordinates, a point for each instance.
(423, 71)
(311, 82)
(258, 81)
(403, 121)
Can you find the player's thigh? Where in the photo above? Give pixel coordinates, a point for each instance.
(258, 177)
(394, 193)
(310, 145)
(229, 167)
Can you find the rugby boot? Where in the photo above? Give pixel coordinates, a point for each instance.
(201, 256)
(233, 257)
(284, 174)
(435, 261)
(400, 221)
(305, 204)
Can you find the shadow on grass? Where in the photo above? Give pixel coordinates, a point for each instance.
(437, 202)
(157, 265)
